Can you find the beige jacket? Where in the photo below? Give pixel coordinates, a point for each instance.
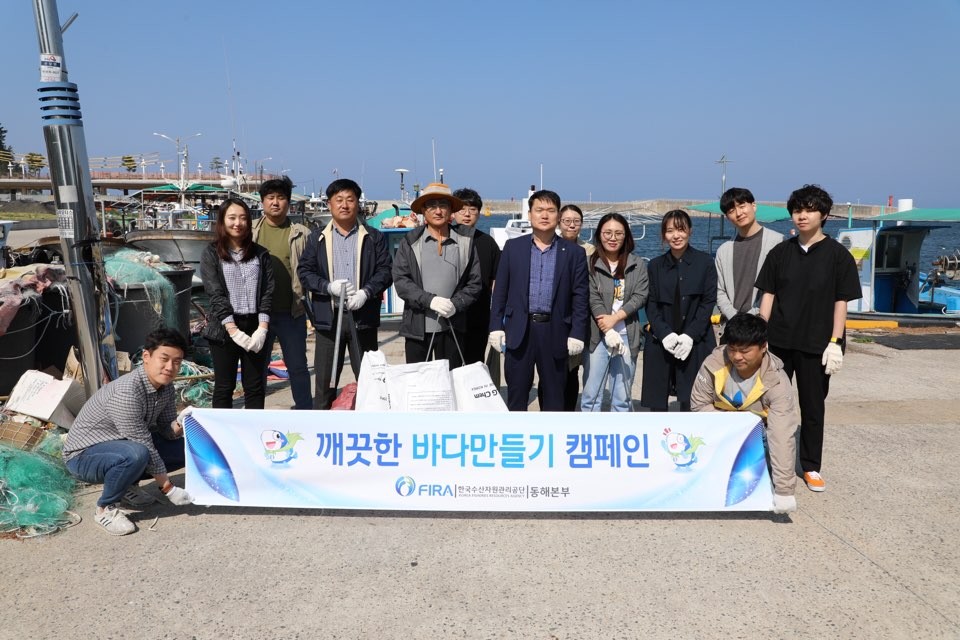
(771, 398)
(298, 240)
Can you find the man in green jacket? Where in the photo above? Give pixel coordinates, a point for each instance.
(285, 240)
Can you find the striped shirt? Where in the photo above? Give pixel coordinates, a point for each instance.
(345, 256)
(543, 265)
(129, 408)
(242, 280)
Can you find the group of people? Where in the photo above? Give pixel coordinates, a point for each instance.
(548, 303)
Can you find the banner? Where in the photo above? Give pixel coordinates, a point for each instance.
(469, 462)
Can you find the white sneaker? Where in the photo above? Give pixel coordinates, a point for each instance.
(137, 498)
(784, 504)
(114, 521)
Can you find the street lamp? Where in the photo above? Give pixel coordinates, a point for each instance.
(259, 163)
(181, 177)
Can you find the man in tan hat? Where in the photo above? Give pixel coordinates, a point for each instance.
(436, 271)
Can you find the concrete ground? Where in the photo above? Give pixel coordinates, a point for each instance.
(875, 556)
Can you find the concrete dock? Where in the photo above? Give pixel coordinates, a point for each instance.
(875, 556)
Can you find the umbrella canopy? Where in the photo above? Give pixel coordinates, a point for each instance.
(765, 212)
(921, 215)
(191, 188)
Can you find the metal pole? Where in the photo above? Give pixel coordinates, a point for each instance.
(73, 195)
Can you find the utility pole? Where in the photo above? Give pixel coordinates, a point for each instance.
(73, 195)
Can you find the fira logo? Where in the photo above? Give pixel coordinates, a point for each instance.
(435, 490)
(406, 486)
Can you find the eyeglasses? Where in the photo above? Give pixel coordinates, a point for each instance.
(571, 222)
(613, 235)
(436, 204)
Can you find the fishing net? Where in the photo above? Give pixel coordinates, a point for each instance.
(36, 492)
(128, 267)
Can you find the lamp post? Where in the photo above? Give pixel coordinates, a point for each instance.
(182, 175)
(259, 163)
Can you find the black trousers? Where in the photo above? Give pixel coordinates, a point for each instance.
(536, 350)
(571, 390)
(443, 347)
(813, 384)
(226, 355)
(324, 394)
(474, 344)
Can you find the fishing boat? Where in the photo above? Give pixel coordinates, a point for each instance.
(896, 285)
(514, 228)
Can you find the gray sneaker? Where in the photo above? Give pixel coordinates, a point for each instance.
(114, 521)
(137, 498)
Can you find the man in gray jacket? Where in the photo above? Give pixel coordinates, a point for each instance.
(739, 260)
(436, 271)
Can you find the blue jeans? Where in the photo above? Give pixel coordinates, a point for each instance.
(292, 333)
(620, 376)
(117, 464)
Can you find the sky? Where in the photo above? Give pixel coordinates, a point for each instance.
(616, 100)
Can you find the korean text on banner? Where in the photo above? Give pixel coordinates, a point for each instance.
(453, 461)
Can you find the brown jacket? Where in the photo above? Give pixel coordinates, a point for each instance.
(298, 240)
(772, 398)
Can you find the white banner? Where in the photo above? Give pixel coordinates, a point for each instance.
(468, 462)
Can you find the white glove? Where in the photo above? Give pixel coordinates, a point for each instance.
(243, 340)
(684, 347)
(183, 414)
(257, 339)
(613, 341)
(443, 306)
(670, 342)
(574, 346)
(832, 358)
(784, 504)
(337, 287)
(496, 340)
(178, 496)
(357, 300)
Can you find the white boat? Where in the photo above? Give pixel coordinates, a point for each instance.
(514, 228)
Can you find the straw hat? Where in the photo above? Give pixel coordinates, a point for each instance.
(437, 191)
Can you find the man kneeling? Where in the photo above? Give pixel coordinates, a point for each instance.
(128, 427)
(743, 376)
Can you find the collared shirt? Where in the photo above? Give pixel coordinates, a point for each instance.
(243, 279)
(439, 268)
(543, 266)
(345, 255)
(128, 408)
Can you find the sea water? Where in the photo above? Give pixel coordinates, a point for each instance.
(941, 241)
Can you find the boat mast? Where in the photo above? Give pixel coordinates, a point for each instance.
(73, 195)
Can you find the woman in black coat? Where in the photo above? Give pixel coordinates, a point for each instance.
(683, 292)
(237, 275)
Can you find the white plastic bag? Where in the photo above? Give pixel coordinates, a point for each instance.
(372, 383)
(420, 386)
(475, 390)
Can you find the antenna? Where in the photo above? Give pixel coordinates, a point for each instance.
(403, 193)
(433, 144)
(723, 176)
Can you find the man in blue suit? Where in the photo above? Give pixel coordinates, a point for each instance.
(539, 308)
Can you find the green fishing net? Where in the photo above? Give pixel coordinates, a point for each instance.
(36, 492)
(128, 267)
